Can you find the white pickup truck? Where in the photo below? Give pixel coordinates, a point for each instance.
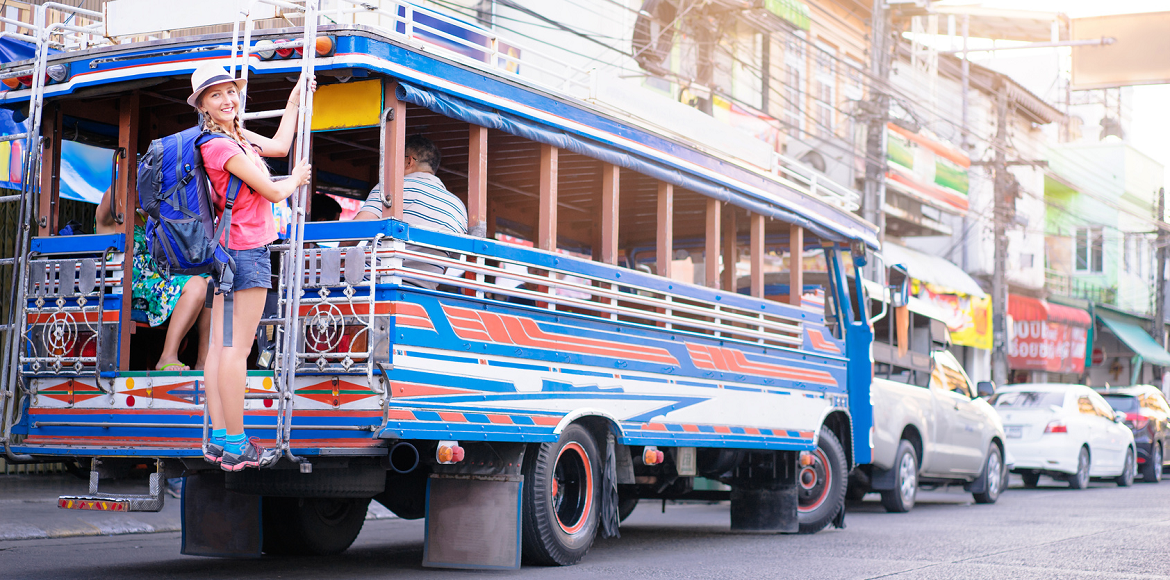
(932, 427)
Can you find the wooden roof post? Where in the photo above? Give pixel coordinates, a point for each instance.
(610, 198)
(730, 249)
(711, 247)
(393, 152)
(47, 214)
(477, 157)
(795, 264)
(665, 228)
(546, 238)
(757, 254)
(126, 203)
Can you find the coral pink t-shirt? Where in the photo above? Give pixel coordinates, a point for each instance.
(252, 223)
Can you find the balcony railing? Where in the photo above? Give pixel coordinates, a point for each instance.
(1065, 284)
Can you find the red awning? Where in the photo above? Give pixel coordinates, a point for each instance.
(1024, 308)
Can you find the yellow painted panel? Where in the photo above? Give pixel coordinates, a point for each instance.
(347, 105)
(5, 153)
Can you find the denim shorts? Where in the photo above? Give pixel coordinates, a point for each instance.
(253, 268)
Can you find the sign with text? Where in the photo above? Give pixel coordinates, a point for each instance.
(1040, 345)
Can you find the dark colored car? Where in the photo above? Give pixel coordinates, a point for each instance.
(1147, 414)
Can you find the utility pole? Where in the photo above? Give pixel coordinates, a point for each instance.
(999, 291)
(878, 110)
(1160, 274)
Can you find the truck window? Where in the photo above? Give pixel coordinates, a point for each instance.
(1123, 403)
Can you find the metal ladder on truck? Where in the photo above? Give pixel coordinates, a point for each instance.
(293, 259)
(13, 331)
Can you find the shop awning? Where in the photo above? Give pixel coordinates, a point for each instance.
(1026, 308)
(932, 270)
(1135, 337)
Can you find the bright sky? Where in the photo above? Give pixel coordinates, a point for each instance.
(1150, 130)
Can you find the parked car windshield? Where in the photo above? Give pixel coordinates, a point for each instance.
(1122, 403)
(1027, 399)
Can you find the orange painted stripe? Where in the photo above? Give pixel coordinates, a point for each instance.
(653, 427)
(547, 421)
(722, 429)
(399, 415)
(751, 430)
(691, 428)
(500, 419)
(456, 417)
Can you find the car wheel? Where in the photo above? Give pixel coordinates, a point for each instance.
(821, 486)
(1127, 472)
(901, 498)
(992, 477)
(1080, 479)
(1152, 470)
(1031, 480)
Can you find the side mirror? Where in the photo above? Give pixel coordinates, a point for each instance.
(858, 250)
(899, 285)
(1118, 417)
(985, 389)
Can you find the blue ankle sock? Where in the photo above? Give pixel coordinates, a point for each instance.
(218, 436)
(235, 443)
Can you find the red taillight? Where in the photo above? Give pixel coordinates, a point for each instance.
(283, 52)
(1136, 420)
(1056, 427)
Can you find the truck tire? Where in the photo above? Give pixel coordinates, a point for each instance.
(1080, 479)
(901, 498)
(1152, 469)
(821, 486)
(561, 498)
(626, 505)
(1127, 472)
(993, 477)
(311, 526)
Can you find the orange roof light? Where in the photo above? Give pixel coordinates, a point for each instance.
(325, 45)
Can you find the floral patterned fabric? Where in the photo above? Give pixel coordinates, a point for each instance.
(153, 291)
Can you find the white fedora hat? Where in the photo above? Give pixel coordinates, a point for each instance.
(210, 74)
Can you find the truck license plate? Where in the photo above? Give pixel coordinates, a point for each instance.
(1014, 431)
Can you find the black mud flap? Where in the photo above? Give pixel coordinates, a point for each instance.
(473, 521)
(218, 522)
(839, 519)
(610, 520)
(769, 509)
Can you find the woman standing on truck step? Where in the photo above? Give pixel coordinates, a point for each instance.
(216, 96)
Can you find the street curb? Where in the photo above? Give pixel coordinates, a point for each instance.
(118, 525)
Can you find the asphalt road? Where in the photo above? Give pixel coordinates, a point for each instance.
(1046, 533)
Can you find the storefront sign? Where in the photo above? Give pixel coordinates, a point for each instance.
(1038, 345)
(970, 316)
(1046, 337)
(931, 170)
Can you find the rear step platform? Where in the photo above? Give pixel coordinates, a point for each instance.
(114, 502)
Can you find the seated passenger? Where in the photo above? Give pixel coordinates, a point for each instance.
(426, 202)
(324, 209)
(179, 298)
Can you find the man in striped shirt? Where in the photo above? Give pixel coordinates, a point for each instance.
(426, 202)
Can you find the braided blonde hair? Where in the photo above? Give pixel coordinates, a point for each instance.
(236, 132)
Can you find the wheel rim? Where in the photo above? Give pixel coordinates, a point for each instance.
(908, 474)
(1157, 464)
(994, 477)
(332, 512)
(815, 482)
(572, 488)
(1083, 468)
(1130, 465)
